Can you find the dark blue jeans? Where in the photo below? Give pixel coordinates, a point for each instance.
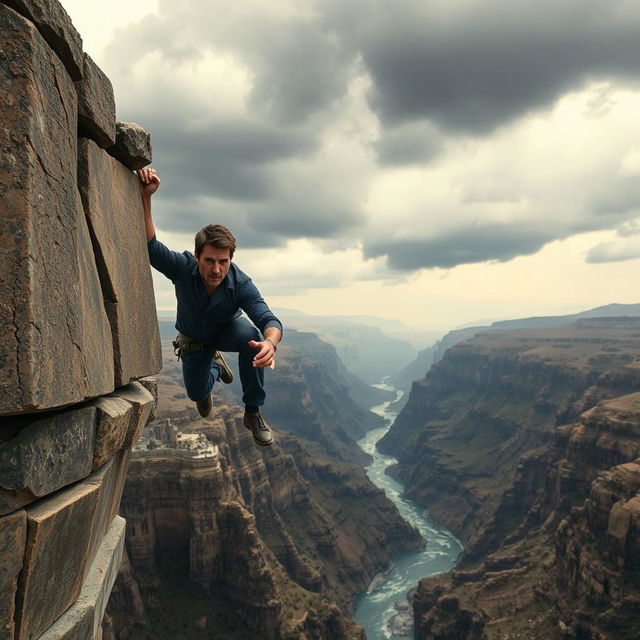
(200, 372)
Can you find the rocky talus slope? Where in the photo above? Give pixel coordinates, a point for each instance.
(526, 444)
(251, 543)
(79, 342)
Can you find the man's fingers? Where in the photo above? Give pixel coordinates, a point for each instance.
(148, 175)
(264, 357)
(262, 364)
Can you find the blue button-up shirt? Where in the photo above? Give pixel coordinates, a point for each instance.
(199, 316)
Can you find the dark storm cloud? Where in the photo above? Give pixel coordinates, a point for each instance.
(299, 68)
(463, 246)
(228, 159)
(301, 71)
(189, 215)
(435, 68)
(478, 65)
(408, 144)
(230, 170)
(310, 220)
(255, 224)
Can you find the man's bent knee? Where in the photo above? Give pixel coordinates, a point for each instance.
(198, 393)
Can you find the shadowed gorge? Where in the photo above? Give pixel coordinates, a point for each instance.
(316, 527)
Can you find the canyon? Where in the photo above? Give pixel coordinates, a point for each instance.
(523, 440)
(524, 443)
(249, 543)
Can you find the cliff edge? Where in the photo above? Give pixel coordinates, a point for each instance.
(77, 319)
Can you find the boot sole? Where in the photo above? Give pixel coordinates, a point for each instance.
(261, 444)
(226, 375)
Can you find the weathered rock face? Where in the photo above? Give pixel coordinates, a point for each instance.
(133, 145)
(598, 558)
(47, 263)
(111, 199)
(461, 437)
(84, 618)
(505, 438)
(13, 538)
(43, 453)
(96, 105)
(444, 617)
(66, 419)
(272, 534)
(53, 22)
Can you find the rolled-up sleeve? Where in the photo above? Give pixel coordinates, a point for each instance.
(253, 304)
(168, 262)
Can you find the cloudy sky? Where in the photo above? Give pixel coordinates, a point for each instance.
(435, 161)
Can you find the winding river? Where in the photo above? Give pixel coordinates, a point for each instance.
(377, 606)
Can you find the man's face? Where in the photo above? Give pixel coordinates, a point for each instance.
(213, 264)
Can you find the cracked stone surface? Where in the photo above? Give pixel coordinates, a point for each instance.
(59, 531)
(13, 537)
(55, 25)
(111, 198)
(82, 620)
(96, 105)
(143, 405)
(41, 454)
(133, 145)
(56, 347)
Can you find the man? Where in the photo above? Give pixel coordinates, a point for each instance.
(212, 292)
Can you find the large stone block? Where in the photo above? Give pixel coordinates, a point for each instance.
(56, 339)
(111, 198)
(143, 405)
(110, 480)
(55, 25)
(82, 620)
(133, 145)
(59, 530)
(39, 455)
(114, 419)
(13, 536)
(96, 105)
(151, 385)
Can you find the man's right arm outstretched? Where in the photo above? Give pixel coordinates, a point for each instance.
(168, 262)
(150, 181)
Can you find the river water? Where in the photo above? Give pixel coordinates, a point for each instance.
(375, 607)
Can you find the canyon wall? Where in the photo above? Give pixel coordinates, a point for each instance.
(249, 543)
(525, 443)
(78, 326)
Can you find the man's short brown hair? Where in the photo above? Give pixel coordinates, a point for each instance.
(217, 236)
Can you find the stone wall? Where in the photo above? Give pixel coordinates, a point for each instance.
(78, 325)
